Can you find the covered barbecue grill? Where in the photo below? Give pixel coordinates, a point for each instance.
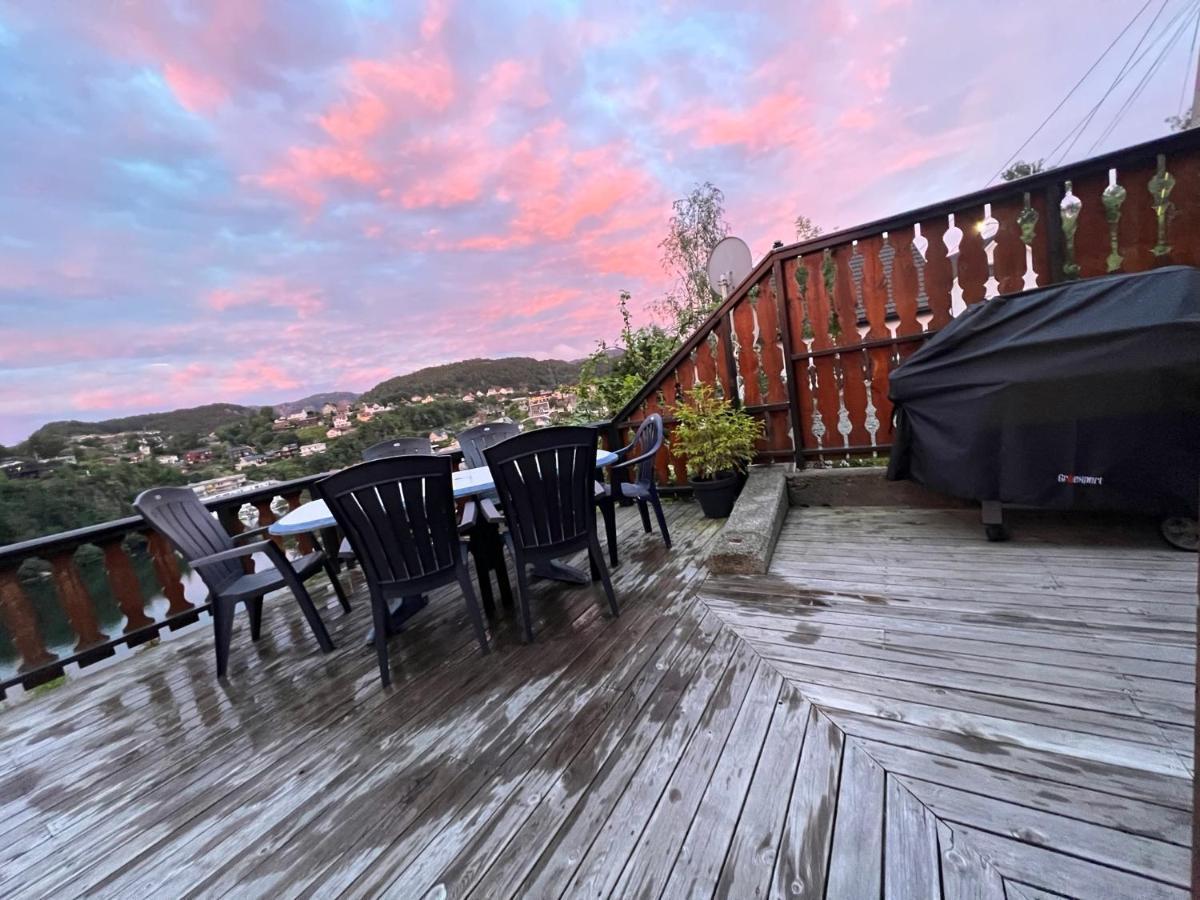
(1077, 396)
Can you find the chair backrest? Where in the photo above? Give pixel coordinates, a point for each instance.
(178, 514)
(398, 514)
(478, 438)
(546, 480)
(646, 442)
(398, 446)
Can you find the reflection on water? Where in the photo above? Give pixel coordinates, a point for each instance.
(57, 633)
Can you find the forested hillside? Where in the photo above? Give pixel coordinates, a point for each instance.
(517, 372)
(194, 420)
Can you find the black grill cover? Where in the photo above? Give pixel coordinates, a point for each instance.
(1084, 395)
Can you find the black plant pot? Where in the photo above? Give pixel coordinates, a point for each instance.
(717, 495)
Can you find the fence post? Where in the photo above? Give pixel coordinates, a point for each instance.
(1055, 242)
(785, 328)
(725, 333)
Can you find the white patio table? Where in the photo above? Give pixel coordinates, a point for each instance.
(315, 516)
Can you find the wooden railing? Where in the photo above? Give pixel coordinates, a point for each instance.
(807, 341)
(127, 607)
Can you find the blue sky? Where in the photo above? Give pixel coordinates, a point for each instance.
(246, 200)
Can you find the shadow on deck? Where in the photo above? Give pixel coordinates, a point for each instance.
(897, 705)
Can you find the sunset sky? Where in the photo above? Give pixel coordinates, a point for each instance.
(247, 201)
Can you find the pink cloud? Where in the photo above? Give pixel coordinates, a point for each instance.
(382, 90)
(436, 14)
(254, 375)
(190, 376)
(775, 121)
(307, 171)
(272, 292)
(196, 91)
(118, 398)
(856, 118)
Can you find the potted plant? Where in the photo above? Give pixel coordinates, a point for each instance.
(718, 442)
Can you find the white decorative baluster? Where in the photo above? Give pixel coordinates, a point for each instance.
(872, 418)
(988, 229)
(887, 260)
(1027, 220)
(953, 240)
(737, 357)
(920, 253)
(843, 424)
(856, 275)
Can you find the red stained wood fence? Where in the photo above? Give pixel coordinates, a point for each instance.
(82, 624)
(807, 341)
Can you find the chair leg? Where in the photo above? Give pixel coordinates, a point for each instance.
(300, 592)
(645, 515)
(254, 608)
(662, 520)
(379, 613)
(500, 567)
(464, 581)
(506, 594)
(483, 569)
(331, 572)
(523, 597)
(597, 556)
(608, 509)
(222, 613)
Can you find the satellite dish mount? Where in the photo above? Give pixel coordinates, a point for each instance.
(728, 263)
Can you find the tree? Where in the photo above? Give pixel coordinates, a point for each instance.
(1023, 169)
(697, 225)
(612, 374)
(807, 229)
(1183, 122)
(45, 444)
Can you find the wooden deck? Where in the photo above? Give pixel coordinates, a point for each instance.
(899, 709)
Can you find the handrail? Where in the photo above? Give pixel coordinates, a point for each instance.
(39, 659)
(1049, 179)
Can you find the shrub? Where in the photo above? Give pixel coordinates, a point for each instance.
(713, 436)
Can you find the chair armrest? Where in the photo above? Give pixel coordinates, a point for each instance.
(270, 549)
(236, 553)
(487, 507)
(470, 514)
(624, 464)
(253, 532)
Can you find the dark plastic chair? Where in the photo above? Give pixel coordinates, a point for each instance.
(486, 548)
(641, 453)
(399, 446)
(177, 513)
(546, 481)
(478, 438)
(398, 514)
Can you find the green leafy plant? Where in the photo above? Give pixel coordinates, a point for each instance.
(614, 373)
(715, 437)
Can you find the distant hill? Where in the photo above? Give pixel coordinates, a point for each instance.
(517, 372)
(197, 419)
(314, 401)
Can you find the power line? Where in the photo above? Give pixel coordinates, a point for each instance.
(1074, 134)
(1188, 69)
(1141, 85)
(1071, 92)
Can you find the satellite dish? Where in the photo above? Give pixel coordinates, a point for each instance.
(728, 264)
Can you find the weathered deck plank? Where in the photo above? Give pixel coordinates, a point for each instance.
(897, 709)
